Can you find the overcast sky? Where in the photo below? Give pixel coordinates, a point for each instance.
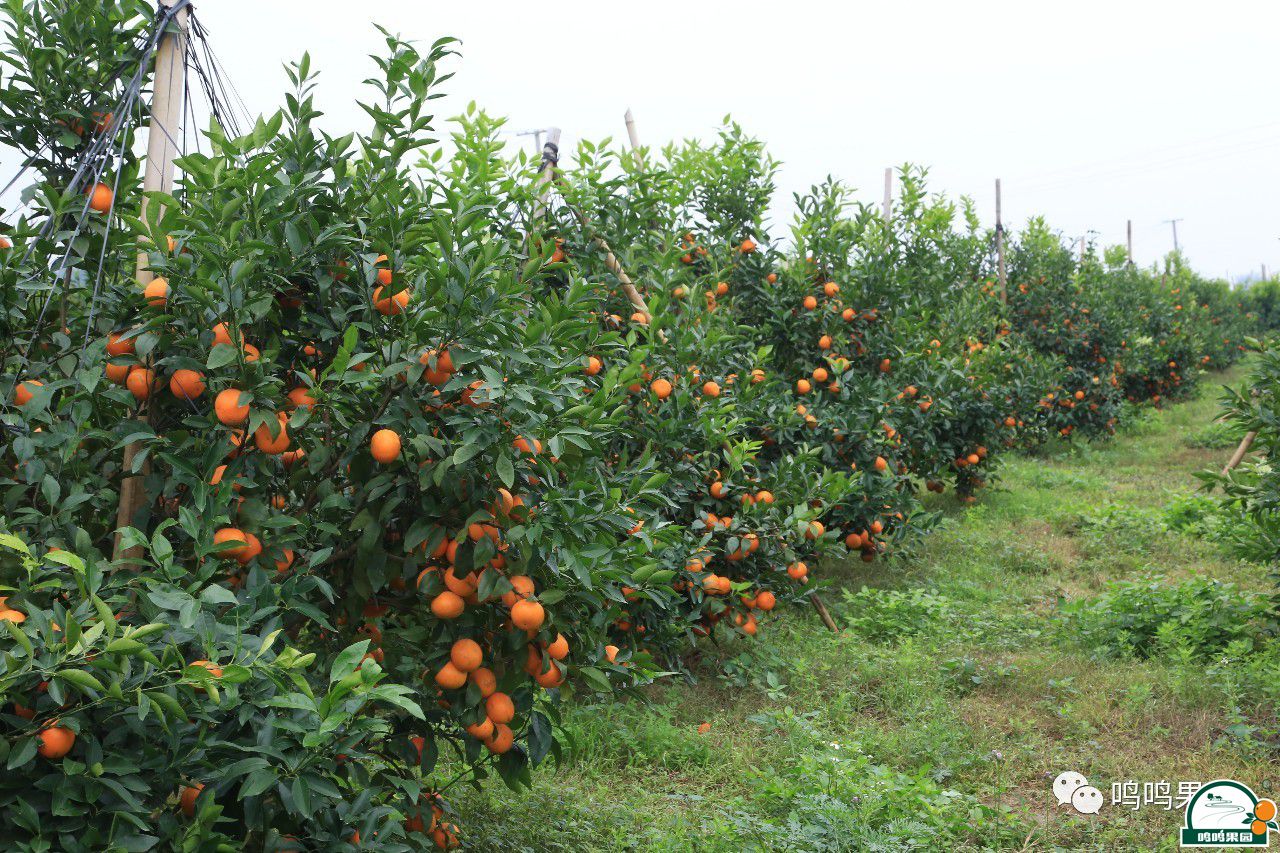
(1091, 112)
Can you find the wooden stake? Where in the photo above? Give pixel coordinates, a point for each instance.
(823, 614)
(1236, 457)
(1004, 278)
(888, 195)
(168, 85)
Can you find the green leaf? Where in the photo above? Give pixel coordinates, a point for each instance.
(347, 661)
(81, 679)
(25, 751)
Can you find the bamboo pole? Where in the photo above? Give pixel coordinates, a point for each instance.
(615, 266)
(168, 85)
(1000, 267)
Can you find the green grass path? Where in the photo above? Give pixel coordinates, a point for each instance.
(939, 717)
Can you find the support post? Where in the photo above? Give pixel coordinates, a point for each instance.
(168, 85)
(632, 136)
(823, 613)
(1129, 238)
(887, 211)
(1000, 267)
(547, 171)
(1236, 457)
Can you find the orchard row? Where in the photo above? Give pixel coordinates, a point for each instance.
(403, 463)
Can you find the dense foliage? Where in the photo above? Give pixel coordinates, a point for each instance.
(415, 463)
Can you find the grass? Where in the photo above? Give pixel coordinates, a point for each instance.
(1063, 623)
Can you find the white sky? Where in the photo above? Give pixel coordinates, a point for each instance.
(1091, 112)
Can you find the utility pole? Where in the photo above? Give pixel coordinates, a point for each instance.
(1174, 223)
(1129, 234)
(168, 85)
(888, 195)
(1000, 268)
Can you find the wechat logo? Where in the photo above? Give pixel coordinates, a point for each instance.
(1071, 787)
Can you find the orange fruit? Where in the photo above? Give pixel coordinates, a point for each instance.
(100, 197)
(187, 798)
(810, 302)
(140, 381)
(765, 600)
(662, 388)
(450, 677)
(803, 386)
(594, 365)
(117, 373)
(552, 677)
(500, 708)
(119, 345)
(466, 655)
(521, 587)
(186, 384)
(301, 396)
(25, 391)
(881, 464)
(484, 679)
(231, 534)
(393, 304)
(522, 444)
(447, 605)
(528, 615)
(228, 409)
(711, 389)
(55, 741)
(502, 740)
(253, 547)
(385, 445)
(482, 730)
(384, 273)
(611, 653)
(156, 293)
(559, 649)
(272, 446)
